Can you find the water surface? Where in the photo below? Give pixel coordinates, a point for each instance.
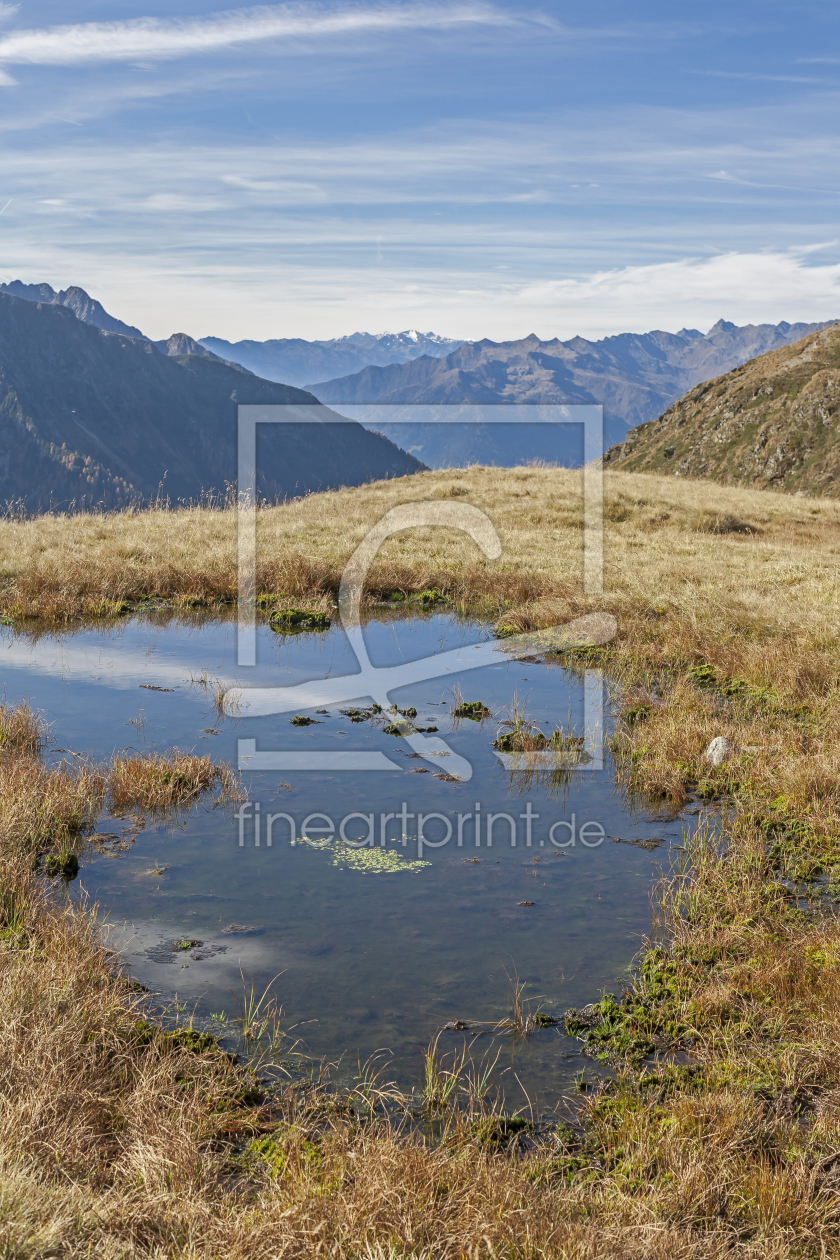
(371, 948)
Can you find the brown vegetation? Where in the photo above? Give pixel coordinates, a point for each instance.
(160, 782)
(116, 1142)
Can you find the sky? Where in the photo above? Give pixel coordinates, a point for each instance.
(474, 169)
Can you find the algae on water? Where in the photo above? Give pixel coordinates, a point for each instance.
(368, 860)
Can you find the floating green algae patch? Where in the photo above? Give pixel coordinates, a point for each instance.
(368, 860)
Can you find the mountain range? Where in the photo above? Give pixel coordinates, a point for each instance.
(294, 361)
(771, 423)
(634, 375)
(96, 417)
(187, 409)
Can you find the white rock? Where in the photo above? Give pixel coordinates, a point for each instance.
(718, 750)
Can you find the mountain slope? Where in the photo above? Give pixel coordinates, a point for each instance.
(634, 375)
(93, 417)
(770, 423)
(83, 306)
(295, 361)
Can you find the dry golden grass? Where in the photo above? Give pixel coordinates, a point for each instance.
(159, 782)
(115, 1144)
(21, 730)
(658, 549)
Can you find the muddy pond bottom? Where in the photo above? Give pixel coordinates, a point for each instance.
(379, 905)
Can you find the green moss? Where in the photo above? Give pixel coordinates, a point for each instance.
(295, 620)
(702, 675)
(529, 739)
(427, 599)
(271, 1155)
(169, 1039)
(622, 1029)
(64, 864)
(474, 709)
(638, 713)
(13, 938)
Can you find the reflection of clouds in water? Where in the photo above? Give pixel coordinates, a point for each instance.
(120, 669)
(249, 955)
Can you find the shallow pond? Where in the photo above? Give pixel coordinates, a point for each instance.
(377, 946)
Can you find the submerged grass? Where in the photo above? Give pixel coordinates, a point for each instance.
(721, 1133)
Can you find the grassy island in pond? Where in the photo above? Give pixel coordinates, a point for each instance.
(719, 1134)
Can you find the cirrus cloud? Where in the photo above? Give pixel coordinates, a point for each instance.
(167, 38)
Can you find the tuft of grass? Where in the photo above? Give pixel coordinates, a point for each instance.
(164, 781)
(44, 808)
(21, 730)
(708, 521)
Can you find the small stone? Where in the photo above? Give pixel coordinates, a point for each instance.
(718, 750)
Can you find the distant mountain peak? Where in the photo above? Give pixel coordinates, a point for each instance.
(83, 306)
(181, 343)
(295, 361)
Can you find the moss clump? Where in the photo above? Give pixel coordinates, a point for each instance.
(64, 864)
(703, 675)
(271, 1156)
(296, 620)
(473, 709)
(614, 1029)
(300, 719)
(13, 938)
(170, 1039)
(427, 599)
(530, 739)
(638, 713)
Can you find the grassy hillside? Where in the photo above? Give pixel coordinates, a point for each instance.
(771, 423)
(119, 1142)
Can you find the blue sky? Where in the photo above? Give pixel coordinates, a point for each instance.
(479, 169)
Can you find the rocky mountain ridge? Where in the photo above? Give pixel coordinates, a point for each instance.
(83, 306)
(94, 417)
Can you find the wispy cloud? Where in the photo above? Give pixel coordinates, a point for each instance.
(166, 38)
(280, 298)
(760, 78)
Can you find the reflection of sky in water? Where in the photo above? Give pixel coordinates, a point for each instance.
(374, 959)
